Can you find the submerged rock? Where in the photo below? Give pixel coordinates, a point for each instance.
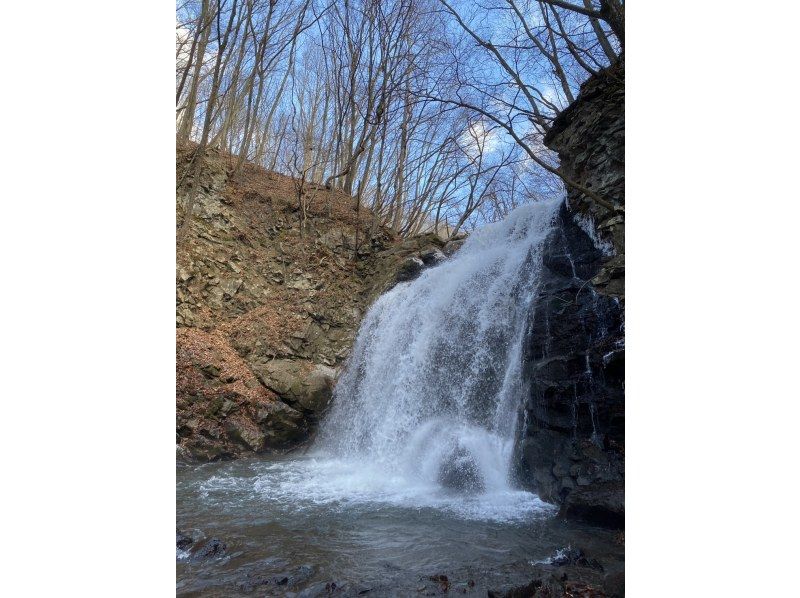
(575, 557)
(283, 579)
(182, 540)
(551, 586)
(211, 549)
(461, 473)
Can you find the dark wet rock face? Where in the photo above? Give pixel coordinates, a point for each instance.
(572, 450)
(600, 503)
(614, 584)
(575, 367)
(574, 441)
(589, 137)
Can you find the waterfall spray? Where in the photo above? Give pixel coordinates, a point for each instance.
(433, 389)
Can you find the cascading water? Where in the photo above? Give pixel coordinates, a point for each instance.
(426, 412)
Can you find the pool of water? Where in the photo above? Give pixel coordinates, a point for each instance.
(311, 526)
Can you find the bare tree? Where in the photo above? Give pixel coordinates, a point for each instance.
(431, 114)
(222, 41)
(530, 64)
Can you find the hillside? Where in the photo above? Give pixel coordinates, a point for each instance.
(266, 313)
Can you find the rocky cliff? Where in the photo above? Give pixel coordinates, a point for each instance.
(266, 312)
(573, 446)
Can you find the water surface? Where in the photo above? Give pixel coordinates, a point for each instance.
(294, 525)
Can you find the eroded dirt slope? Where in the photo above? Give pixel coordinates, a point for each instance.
(267, 312)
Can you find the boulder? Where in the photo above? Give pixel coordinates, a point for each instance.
(283, 426)
(223, 410)
(460, 472)
(453, 245)
(432, 257)
(182, 540)
(409, 269)
(305, 386)
(243, 431)
(319, 388)
(212, 549)
(282, 376)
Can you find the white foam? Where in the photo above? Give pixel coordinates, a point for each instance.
(435, 372)
(348, 484)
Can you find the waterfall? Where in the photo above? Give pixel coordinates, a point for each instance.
(431, 395)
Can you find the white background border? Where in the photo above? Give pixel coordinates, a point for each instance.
(88, 298)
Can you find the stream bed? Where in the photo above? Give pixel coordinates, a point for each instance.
(317, 526)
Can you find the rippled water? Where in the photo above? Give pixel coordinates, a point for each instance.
(294, 525)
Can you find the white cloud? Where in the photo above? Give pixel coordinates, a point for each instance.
(479, 139)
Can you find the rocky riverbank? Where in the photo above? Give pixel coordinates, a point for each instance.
(266, 310)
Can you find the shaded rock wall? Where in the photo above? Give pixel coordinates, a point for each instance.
(572, 450)
(589, 137)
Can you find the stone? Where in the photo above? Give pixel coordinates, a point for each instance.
(212, 549)
(460, 472)
(182, 540)
(319, 389)
(203, 449)
(281, 424)
(441, 581)
(245, 432)
(432, 257)
(280, 375)
(452, 246)
(300, 284)
(230, 286)
(285, 580)
(410, 269)
(575, 557)
(210, 370)
(299, 383)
